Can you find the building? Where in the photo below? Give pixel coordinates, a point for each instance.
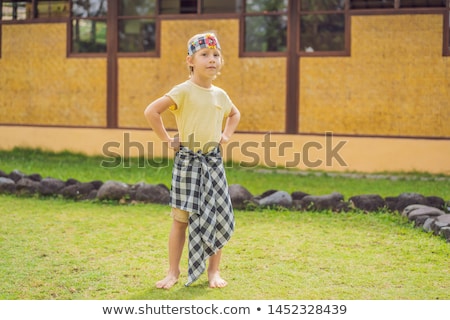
(367, 81)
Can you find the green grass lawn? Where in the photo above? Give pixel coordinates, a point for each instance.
(57, 249)
(51, 248)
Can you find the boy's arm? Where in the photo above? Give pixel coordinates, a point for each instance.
(153, 115)
(231, 124)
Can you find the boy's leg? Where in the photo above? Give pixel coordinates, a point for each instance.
(214, 278)
(177, 239)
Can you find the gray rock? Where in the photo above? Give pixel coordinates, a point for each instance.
(440, 222)
(368, 202)
(407, 210)
(133, 190)
(298, 195)
(7, 185)
(427, 224)
(239, 195)
(4, 180)
(50, 186)
(97, 184)
(406, 199)
(265, 194)
(436, 202)
(35, 177)
(420, 220)
(151, 193)
(391, 203)
(113, 190)
(77, 191)
(333, 201)
(92, 195)
(26, 186)
(425, 211)
(444, 220)
(445, 233)
(71, 181)
(16, 175)
(279, 198)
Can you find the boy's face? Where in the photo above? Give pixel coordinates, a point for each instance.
(206, 61)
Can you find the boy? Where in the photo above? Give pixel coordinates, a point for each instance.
(199, 192)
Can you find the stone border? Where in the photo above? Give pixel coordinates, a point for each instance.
(429, 213)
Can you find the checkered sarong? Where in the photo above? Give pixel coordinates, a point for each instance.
(199, 186)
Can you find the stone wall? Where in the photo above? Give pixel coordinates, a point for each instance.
(429, 213)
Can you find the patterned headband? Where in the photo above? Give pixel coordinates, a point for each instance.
(208, 40)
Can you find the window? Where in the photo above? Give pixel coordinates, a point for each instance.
(322, 26)
(220, 6)
(16, 10)
(265, 24)
(137, 25)
(372, 4)
(52, 9)
(447, 32)
(199, 6)
(34, 9)
(391, 4)
(421, 3)
(89, 26)
(178, 6)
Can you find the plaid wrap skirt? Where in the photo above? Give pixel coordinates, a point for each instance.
(199, 186)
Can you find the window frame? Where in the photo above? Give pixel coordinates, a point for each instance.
(34, 16)
(69, 45)
(396, 9)
(347, 30)
(155, 17)
(446, 40)
(242, 35)
(199, 13)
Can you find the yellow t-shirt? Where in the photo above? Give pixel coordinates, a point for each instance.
(199, 113)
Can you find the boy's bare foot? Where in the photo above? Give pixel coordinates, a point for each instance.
(168, 282)
(216, 281)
